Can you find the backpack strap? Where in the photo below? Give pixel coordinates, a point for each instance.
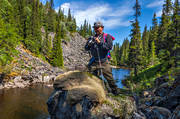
(108, 54)
(105, 36)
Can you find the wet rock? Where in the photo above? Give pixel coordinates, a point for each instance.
(159, 81)
(157, 113)
(150, 101)
(167, 100)
(162, 90)
(176, 113)
(138, 115)
(171, 101)
(19, 85)
(176, 82)
(48, 78)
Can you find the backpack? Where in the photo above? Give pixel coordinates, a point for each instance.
(104, 36)
(108, 55)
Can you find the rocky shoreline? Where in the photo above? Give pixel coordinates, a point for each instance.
(28, 69)
(20, 82)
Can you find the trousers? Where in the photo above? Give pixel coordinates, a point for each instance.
(106, 70)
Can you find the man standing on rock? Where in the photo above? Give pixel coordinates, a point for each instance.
(99, 45)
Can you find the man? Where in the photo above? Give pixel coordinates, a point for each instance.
(99, 47)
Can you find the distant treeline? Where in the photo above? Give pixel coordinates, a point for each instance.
(160, 44)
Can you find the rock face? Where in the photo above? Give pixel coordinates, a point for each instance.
(74, 54)
(79, 95)
(76, 93)
(162, 90)
(28, 69)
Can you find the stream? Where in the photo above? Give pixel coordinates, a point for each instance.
(30, 102)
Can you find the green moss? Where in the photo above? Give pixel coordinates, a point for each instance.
(119, 97)
(89, 74)
(117, 111)
(107, 102)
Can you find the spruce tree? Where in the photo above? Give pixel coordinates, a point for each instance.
(89, 30)
(135, 50)
(7, 12)
(69, 15)
(152, 41)
(8, 41)
(61, 15)
(57, 53)
(121, 51)
(155, 29)
(51, 16)
(124, 52)
(174, 36)
(46, 46)
(145, 42)
(116, 53)
(162, 43)
(153, 57)
(34, 40)
(74, 25)
(81, 30)
(20, 17)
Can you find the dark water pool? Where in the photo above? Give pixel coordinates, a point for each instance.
(30, 103)
(27, 103)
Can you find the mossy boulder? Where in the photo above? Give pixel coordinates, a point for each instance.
(75, 94)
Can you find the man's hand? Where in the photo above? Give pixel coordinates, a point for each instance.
(97, 40)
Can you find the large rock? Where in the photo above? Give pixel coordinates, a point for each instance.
(157, 113)
(76, 93)
(162, 90)
(176, 113)
(176, 82)
(159, 81)
(171, 100)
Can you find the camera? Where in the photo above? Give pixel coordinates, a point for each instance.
(91, 41)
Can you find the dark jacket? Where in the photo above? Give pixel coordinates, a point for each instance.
(102, 48)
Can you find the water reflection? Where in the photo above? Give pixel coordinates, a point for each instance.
(120, 74)
(27, 103)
